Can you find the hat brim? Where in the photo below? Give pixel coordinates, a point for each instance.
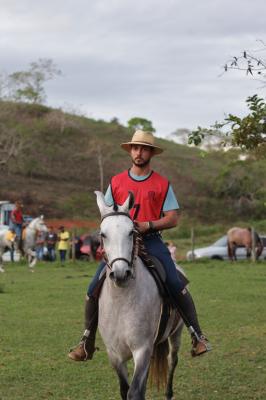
(127, 147)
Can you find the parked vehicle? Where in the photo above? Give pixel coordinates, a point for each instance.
(218, 251)
(87, 247)
(5, 210)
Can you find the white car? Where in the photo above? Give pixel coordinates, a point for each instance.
(218, 251)
(7, 256)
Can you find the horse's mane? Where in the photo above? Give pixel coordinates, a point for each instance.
(32, 222)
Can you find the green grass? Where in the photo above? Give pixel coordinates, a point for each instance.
(41, 316)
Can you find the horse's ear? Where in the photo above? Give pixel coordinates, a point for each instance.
(103, 207)
(41, 217)
(131, 200)
(129, 203)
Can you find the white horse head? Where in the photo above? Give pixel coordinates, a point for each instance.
(117, 232)
(37, 224)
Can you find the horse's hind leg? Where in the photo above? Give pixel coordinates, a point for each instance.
(234, 247)
(1, 263)
(174, 342)
(121, 370)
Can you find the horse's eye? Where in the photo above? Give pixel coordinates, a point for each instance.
(103, 235)
(131, 233)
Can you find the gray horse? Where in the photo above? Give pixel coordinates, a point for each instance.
(130, 308)
(5, 244)
(29, 239)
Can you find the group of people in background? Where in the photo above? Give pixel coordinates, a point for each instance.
(47, 243)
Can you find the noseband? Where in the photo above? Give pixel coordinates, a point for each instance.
(130, 262)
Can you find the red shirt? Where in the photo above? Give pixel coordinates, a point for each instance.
(17, 216)
(149, 194)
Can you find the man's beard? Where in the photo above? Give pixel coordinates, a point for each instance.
(141, 164)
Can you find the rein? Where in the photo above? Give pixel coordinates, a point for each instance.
(135, 249)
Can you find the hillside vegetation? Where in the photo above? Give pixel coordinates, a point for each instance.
(49, 159)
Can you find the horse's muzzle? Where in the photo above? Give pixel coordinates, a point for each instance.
(121, 277)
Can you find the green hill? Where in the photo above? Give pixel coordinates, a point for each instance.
(49, 159)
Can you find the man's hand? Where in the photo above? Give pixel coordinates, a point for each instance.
(142, 226)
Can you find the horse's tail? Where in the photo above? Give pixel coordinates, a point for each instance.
(159, 365)
(259, 245)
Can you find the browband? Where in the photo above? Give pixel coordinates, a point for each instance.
(114, 213)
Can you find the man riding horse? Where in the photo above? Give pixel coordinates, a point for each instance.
(16, 223)
(155, 209)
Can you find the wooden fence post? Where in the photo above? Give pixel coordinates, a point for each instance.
(253, 245)
(73, 245)
(192, 243)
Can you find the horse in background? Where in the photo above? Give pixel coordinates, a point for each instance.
(242, 237)
(130, 308)
(29, 239)
(6, 243)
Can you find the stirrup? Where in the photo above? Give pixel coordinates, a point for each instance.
(83, 342)
(197, 342)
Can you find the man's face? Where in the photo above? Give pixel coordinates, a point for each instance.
(141, 155)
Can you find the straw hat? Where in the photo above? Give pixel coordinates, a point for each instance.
(144, 138)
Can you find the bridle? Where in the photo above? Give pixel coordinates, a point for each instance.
(134, 252)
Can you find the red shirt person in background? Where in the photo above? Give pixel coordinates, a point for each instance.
(16, 219)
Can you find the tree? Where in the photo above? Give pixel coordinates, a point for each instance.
(28, 85)
(249, 62)
(140, 123)
(248, 133)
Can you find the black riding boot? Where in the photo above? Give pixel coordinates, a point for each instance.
(85, 349)
(188, 312)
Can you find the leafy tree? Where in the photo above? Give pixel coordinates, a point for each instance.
(247, 133)
(242, 186)
(28, 85)
(140, 123)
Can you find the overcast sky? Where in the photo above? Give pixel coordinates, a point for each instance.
(156, 59)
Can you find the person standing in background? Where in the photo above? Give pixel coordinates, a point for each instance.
(40, 241)
(172, 249)
(51, 240)
(63, 238)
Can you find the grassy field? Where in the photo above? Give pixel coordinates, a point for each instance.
(41, 317)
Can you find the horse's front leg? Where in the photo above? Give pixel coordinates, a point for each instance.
(142, 359)
(121, 370)
(32, 259)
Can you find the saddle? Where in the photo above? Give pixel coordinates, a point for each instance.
(156, 269)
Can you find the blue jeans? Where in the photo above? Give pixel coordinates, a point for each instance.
(39, 252)
(62, 254)
(155, 247)
(16, 227)
(51, 253)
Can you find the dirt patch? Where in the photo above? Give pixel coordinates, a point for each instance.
(72, 223)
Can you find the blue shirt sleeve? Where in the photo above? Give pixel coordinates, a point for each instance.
(170, 202)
